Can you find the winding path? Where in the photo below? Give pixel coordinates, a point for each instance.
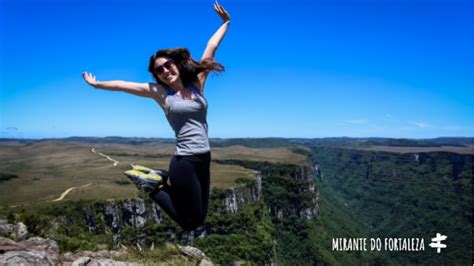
(69, 190)
(106, 156)
(64, 194)
(72, 188)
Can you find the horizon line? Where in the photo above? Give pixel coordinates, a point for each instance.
(230, 138)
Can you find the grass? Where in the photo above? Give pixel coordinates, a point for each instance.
(223, 176)
(164, 254)
(47, 168)
(273, 155)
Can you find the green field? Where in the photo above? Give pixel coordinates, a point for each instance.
(48, 168)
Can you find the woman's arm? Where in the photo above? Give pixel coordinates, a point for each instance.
(139, 89)
(148, 90)
(215, 40)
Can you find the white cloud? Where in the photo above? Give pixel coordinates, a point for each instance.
(419, 124)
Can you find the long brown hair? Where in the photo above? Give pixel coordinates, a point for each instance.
(187, 66)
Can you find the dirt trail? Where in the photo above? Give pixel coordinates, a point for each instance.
(69, 190)
(64, 194)
(106, 156)
(72, 188)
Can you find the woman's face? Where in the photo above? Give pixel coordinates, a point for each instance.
(166, 70)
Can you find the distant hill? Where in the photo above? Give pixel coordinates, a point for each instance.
(98, 140)
(273, 142)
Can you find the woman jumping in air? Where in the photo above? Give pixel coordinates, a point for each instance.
(179, 90)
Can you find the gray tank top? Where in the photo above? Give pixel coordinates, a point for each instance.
(188, 118)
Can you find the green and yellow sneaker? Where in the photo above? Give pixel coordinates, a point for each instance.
(141, 168)
(147, 170)
(147, 182)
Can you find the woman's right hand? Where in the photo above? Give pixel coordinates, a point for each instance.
(90, 79)
(221, 12)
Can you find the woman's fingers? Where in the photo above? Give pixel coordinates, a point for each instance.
(89, 78)
(220, 8)
(216, 8)
(225, 13)
(221, 11)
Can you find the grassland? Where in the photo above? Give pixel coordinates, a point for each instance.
(48, 168)
(273, 155)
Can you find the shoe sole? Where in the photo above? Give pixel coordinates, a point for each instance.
(146, 182)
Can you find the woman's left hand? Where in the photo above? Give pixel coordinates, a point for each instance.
(90, 79)
(221, 12)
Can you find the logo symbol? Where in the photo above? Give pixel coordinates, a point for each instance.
(436, 242)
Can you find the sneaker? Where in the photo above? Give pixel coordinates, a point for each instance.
(147, 182)
(147, 170)
(141, 168)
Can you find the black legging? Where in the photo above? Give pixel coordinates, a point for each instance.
(186, 200)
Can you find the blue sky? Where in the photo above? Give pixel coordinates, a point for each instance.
(352, 68)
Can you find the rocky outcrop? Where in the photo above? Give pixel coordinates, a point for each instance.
(134, 213)
(41, 251)
(89, 216)
(116, 214)
(311, 212)
(195, 254)
(33, 251)
(156, 214)
(112, 217)
(239, 197)
(297, 195)
(318, 173)
(7, 244)
(130, 213)
(103, 257)
(24, 258)
(16, 231)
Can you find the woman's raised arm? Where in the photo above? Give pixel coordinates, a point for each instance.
(215, 40)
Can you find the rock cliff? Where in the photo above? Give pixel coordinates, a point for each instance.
(137, 213)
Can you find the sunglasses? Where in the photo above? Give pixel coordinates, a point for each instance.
(161, 68)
